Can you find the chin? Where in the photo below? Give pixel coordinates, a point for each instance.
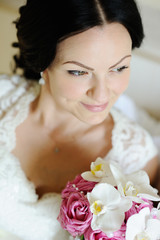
(95, 120)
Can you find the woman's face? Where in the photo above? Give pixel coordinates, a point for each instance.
(90, 71)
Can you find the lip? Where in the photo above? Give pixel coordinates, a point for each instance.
(95, 108)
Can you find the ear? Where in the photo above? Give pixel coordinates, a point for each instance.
(46, 75)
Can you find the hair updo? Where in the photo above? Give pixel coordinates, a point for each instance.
(42, 26)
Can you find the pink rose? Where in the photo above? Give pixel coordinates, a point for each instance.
(95, 235)
(99, 235)
(136, 207)
(75, 215)
(132, 210)
(120, 234)
(146, 204)
(77, 185)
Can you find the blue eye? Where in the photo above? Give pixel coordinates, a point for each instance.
(77, 73)
(120, 69)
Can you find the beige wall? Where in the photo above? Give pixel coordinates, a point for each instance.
(7, 36)
(144, 86)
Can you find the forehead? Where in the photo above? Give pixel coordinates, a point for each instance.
(110, 39)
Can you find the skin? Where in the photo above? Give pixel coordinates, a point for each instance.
(95, 49)
(89, 68)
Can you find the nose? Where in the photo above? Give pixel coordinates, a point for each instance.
(99, 91)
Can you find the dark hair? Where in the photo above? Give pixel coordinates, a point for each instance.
(41, 26)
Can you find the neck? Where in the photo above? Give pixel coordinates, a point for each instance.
(53, 118)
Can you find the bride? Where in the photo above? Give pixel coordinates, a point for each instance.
(53, 127)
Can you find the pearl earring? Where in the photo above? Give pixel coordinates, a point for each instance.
(41, 80)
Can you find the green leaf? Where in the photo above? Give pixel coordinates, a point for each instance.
(82, 237)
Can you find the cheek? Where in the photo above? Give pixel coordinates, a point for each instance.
(68, 89)
(120, 84)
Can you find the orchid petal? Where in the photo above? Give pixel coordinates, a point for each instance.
(139, 176)
(108, 223)
(153, 229)
(104, 191)
(148, 192)
(110, 213)
(89, 177)
(118, 174)
(100, 172)
(134, 185)
(136, 223)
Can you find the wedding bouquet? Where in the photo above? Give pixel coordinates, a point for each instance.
(106, 204)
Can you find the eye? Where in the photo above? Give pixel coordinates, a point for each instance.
(77, 73)
(120, 69)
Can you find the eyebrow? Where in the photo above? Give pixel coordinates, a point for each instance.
(79, 64)
(92, 69)
(120, 61)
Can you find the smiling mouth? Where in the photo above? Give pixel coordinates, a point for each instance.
(95, 108)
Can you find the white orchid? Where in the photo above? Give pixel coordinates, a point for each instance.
(100, 172)
(108, 208)
(155, 212)
(142, 226)
(135, 186)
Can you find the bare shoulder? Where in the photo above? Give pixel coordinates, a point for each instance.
(152, 168)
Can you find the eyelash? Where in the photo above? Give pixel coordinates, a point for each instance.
(120, 69)
(78, 73)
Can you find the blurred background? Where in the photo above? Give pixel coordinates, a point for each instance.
(144, 85)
